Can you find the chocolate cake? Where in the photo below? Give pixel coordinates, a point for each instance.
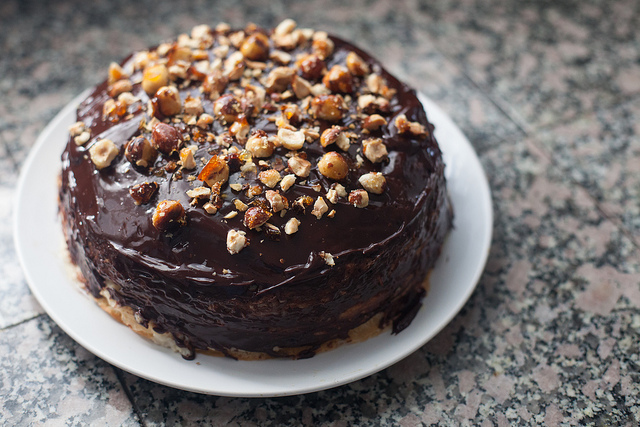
(254, 193)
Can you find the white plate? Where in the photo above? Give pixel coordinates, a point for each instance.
(38, 239)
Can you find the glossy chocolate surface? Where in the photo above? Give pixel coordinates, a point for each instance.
(277, 291)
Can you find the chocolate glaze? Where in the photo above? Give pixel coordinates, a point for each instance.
(273, 293)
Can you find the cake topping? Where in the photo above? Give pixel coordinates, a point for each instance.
(169, 215)
(103, 152)
(142, 193)
(236, 241)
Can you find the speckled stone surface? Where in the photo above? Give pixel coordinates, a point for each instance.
(549, 95)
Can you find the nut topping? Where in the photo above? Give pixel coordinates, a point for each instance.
(373, 182)
(227, 107)
(154, 77)
(322, 45)
(166, 138)
(374, 150)
(277, 201)
(140, 152)
(169, 100)
(310, 66)
(287, 181)
(193, 106)
(374, 122)
(291, 140)
(356, 64)
(335, 134)
(338, 79)
(299, 166)
(278, 79)
(169, 215)
(291, 226)
(359, 198)
(319, 207)
(259, 145)
(269, 177)
(333, 166)
(142, 193)
(255, 217)
(215, 171)
(236, 241)
(301, 87)
(116, 73)
(328, 107)
(404, 126)
(103, 152)
(256, 47)
(328, 258)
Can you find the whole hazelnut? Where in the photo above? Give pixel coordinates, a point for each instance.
(140, 152)
(311, 66)
(169, 100)
(103, 152)
(169, 215)
(328, 107)
(256, 47)
(255, 217)
(154, 77)
(166, 138)
(338, 79)
(333, 166)
(227, 107)
(356, 64)
(259, 145)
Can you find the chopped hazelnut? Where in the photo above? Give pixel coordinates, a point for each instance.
(319, 207)
(322, 45)
(186, 156)
(240, 205)
(236, 241)
(231, 214)
(270, 177)
(210, 208)
(169, 100)
(299, 166)
(280, 57)
(169, 214)
(116, 73)
(404, 126)
(374, 150)
(328, 107)
(370, 103)
(356, 65)
(285, 35)
(77, 128)
(154, 77)
(342, 192)
(214, 84)
(204, 121)
(240, 128)
(215, 171)
(333, 166)
(227, 107)
(301, 87)
(103, 152)
(278, 79)
(291, 140)
(83, 138)
(259, 145)
(119, 87)
(373, 182)
(166, 138)
(291, 226)
(287, 181)
(277, 201)
(335, 134)
(255, 217)
(193, 106)
(332, 196)
(140, 152)
(234, 66)
(142, 193)
(199, 193)
(338, 80)
(255, 47)
(374, 122)
(359, 198)
(253, 191)
(310, 66)
(328, 258)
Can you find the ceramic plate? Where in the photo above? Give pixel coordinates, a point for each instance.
(39, 243)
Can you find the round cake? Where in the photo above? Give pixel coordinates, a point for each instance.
(254, 194)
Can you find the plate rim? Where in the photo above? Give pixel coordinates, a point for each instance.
(432, 109)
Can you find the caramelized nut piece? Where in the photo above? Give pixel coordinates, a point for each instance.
(140, 152)
(319, 207)
(82, 138)
(103, 152)
(277, 201)
(338, 79)
(301, 87)
(214, 84)
(154, 77)
(121, 86)
(299, 166)
(359, 198)
(240, 205)
(404, 126)
(255, 217)
(287, 181)
(234, 66)
(240, 128)
(169, 215)
(291, 226)
(369, 103)
(374, 122)
(142, 193)
(215, 171)
(335, 134)
(204, 121)
(373, 182)
(186, 156)
(116, 73)
(256, 47)
(280, 57)
(291, 140)
(333, 166)
(328, 258)
(269, 177)
(278, 79)
(199, 193)
(328, 107)
(169, 100)
(77, 128)
(166, 138)
(356, 64)
(322, 45)
(259, 145)
(227, 107)
(374, 150)
(236, 241)
(193, 106)
(310, 66)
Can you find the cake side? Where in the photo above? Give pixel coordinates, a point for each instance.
(273, 245)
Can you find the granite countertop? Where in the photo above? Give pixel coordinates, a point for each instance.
(548, 94)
